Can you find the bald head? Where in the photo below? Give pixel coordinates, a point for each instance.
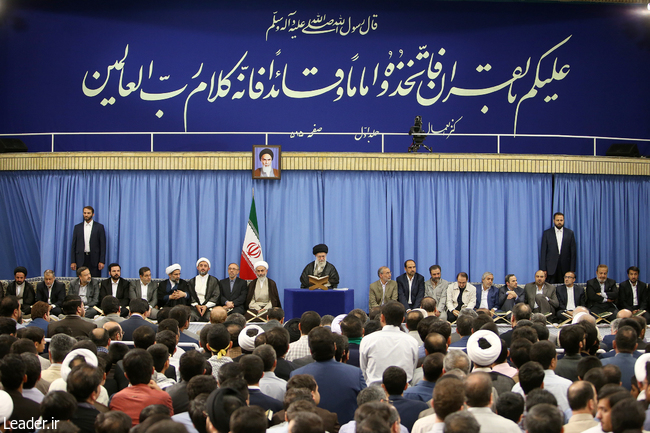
(624, 314)
(114, 330)
(478, 389)
(218, 315)
(582, 397)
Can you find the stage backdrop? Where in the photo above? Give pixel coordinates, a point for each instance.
(472, 222)
(305, 71)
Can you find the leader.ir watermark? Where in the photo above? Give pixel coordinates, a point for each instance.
(29, 425)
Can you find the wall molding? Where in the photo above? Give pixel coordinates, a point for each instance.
(445, 162)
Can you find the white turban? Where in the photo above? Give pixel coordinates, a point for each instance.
(6, 406)
(202, 259)
(172, 268)
(639, 367)
(262, 263)
(483, 356)
(336, 323)
(247, 342)
(85, 353)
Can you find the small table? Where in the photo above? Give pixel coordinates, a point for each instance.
(334, 302)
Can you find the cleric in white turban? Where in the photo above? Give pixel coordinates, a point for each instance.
(262, 295)
(173, 291)
(320, 268)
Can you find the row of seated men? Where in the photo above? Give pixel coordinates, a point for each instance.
(601, 295)
(201, 293)
(353, 360)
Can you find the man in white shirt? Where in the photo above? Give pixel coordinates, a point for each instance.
(204, 292)
(460, 294)
(382, 290)
(270, 384)
(145, 289)
(388, 347)
(436, 288)
(487, 295)
(569, 296)
(116, 286)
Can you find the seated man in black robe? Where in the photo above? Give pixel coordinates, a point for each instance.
(320, 268)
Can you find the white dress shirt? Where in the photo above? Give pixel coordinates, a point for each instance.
(273, 386)
(88, 228)
(114, 287)
(385, 348)
(570, 299)
(484, 298)
(82, 293)
(200, 286)
(144, 290)
(635, 301)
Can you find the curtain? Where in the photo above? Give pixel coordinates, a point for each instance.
(609, 217)
(471, 222)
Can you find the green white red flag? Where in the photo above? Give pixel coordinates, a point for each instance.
(251, 251)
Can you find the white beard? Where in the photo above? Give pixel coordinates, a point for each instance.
(267, 171)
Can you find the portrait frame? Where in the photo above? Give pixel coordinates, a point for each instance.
(260, 151)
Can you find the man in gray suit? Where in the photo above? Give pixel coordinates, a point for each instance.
(204, 292)
(145, 289)
(540, 295)
(382, 290)
(436, 288)
(87, 288)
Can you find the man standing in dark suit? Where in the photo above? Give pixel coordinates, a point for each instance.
(632, 293)
(602, 292)
(558, 252)
(569, 296)
(410, 286)
(173, 291)
(139, 310)
(233, 291)
(89, 244)
(51, 292)
(73, 308)
(116, 286)
(22, 289)
(540, 295)
(204, 292)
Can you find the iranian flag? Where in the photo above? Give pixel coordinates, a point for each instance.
(251, 251)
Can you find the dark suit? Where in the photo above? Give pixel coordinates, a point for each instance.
(165, 289)
(595, 301)
(237, 296)
(548, 291)
(97, 253)
(258, 398)
(122, 294)
(493, 297)
(84, 418)
(180, 399)
(284, 368)
(506, 304)
(133, 323)
(135, 292)
(578, 297)
(417, 291)
(92, 291)
(78, 325)
(338, 385)
(29, 295)
(555, 263)
(212, 294)
(626, 297)
(408, 409)
(56, 295)
(24, 409)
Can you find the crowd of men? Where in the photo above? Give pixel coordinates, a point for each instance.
(388, 371)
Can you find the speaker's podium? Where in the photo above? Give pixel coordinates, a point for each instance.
(332, 301)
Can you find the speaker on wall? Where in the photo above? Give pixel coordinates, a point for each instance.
(12, 145)
(629, 150)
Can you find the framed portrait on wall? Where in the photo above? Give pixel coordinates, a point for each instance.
(267, 162)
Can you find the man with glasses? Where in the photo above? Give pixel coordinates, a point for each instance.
(569, 296)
